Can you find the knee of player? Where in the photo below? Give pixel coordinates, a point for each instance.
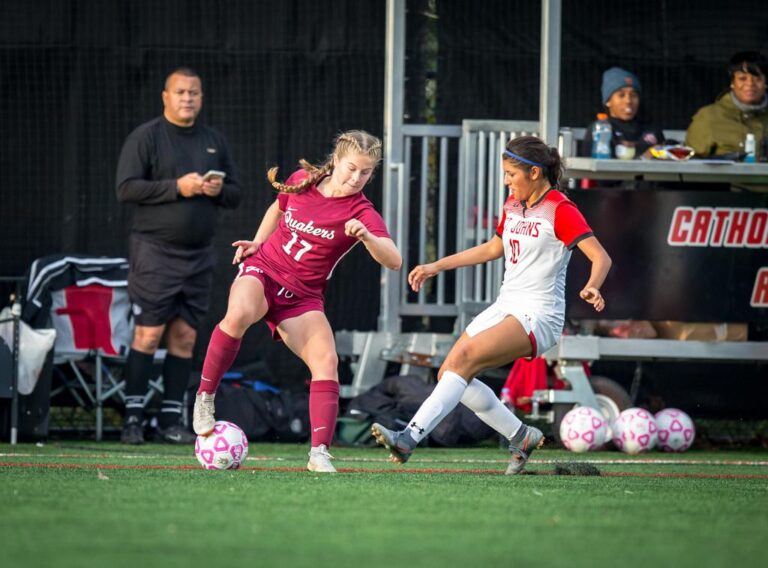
(462, 367)
(461, 356)
(327, 360)
(184, 343)
(239, 319)
(146, 341)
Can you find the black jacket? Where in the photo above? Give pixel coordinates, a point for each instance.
(153, 157)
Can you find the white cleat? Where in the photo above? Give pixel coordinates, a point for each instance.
(202, 415)
(320, 460)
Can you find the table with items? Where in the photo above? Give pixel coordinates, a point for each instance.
(708, 171)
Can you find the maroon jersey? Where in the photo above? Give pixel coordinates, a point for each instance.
(309, 240)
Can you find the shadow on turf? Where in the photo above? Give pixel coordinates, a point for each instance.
(568, 468)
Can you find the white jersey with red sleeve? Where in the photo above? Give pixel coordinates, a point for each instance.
(538, 241)
(309, 240)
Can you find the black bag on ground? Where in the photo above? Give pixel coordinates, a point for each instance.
(396, 399)
(289, 415)
(461, 427)
(243, 407)
(265, 416)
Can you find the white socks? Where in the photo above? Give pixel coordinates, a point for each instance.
(444, 398)
(481, 400)
(478, 397)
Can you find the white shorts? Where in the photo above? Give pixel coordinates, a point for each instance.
(543, 329)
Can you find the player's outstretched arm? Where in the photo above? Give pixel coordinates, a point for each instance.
(490, 250)
(267, 226)
(601, 264)
(382, 249)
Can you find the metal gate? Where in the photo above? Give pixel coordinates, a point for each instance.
(477, 194)
(435, 205)
(482, 195)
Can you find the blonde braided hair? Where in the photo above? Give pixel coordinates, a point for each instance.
(352, 141)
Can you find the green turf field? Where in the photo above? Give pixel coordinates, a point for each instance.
(86, 504)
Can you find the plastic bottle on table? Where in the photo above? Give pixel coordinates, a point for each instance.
(602, 132)
(749, 148)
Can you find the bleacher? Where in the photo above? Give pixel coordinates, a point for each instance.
(470, 219)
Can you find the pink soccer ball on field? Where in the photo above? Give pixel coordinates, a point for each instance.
(224, 448)
(676, 430)
(583, 429)
(635, 431)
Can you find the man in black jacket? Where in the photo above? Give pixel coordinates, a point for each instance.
(162, 169)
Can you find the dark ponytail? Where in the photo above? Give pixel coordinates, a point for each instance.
(529, 151)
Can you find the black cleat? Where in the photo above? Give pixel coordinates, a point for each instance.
(132, 432)
(175, 434)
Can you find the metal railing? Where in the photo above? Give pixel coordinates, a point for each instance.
(447, 204)
(430, 185)
(483, 193)
(450, 192)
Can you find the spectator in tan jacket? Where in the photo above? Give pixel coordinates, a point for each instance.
(719, 129)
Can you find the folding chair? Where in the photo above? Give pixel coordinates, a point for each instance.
(86, 300)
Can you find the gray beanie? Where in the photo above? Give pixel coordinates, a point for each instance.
(617, 78)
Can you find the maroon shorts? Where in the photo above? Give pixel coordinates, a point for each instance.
(282, 304)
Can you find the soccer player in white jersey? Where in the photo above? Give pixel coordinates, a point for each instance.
(538, 230)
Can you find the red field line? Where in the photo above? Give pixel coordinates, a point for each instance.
(392, 470)
(94, 466)
(539, 461)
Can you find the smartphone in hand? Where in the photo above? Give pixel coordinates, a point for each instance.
(214, 173)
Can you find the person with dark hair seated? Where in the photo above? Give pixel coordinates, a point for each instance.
(720, 129)
(632, 135)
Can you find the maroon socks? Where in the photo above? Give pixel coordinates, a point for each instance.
(323, 410)
(222, 350)
(323, 395)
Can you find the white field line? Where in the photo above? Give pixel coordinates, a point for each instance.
(628, 461)
(631, 461)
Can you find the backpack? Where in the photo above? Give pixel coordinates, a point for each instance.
(288, 414)
(264, 415)
(396, 399)
(244, 407)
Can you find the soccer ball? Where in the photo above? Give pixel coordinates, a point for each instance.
(676, 430)
(583, 429)
(224, 448)
(635, 431)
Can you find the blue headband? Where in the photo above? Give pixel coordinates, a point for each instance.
(521, 159)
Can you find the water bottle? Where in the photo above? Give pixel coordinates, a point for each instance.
(15, 306)
(749, 148)
(601, 137)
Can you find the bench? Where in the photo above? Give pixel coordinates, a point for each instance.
(572, 351)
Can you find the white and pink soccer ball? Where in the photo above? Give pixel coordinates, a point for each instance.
(224, 448)
(676, 430)
(635, 431)
(583, 429)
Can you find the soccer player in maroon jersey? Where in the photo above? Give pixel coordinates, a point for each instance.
(538, 230)
(318, 216)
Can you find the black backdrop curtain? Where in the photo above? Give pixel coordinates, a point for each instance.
(488, 65)
(281, 79)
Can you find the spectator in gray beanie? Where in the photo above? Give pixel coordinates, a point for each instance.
(632, 136)
(617, 78)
